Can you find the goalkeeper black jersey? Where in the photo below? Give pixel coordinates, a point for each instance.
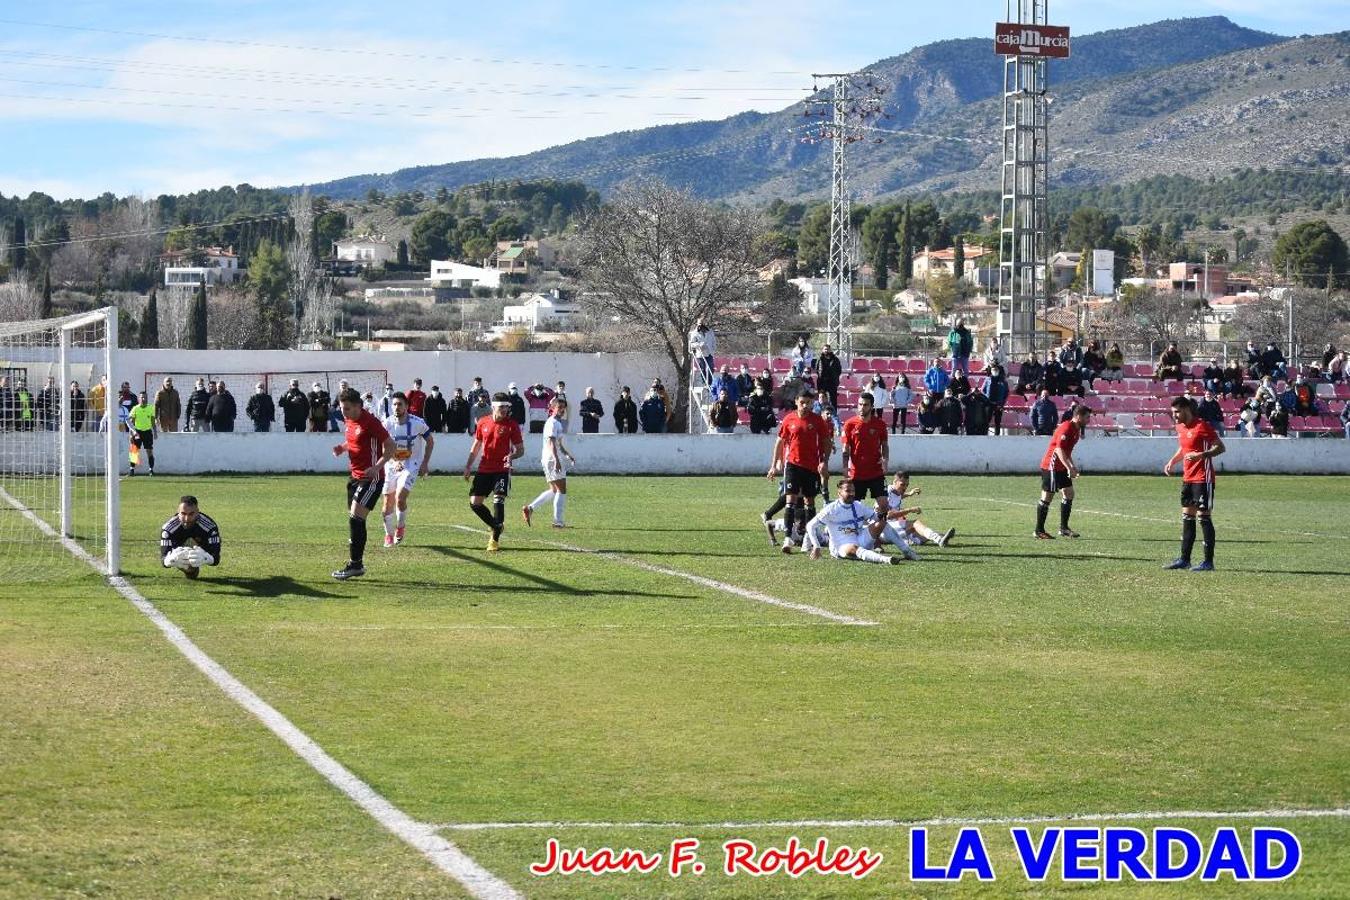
(204, 532)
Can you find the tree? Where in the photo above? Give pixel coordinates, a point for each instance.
(46, 310)
(197, 319)
(878, 234)
(1309, 251)
(1317, 318)
(942, 293)
(18, 254)
(1090, 227)
(1152, 317)
(813, 241)
(150, 322)
(329, 227)
(926, 228)
(959, 258)
(309, 290)
(905, 239)
(658, 261)
(1149, 240)
(1239, 241)
(430, 236)
(269, 278)
(402, 254)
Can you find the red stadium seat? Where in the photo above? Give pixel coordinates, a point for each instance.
(862, 364)
(915, 366)
(782, 364)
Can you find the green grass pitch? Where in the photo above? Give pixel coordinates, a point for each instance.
(1003, 677)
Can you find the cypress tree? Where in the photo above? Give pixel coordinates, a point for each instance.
(197, 319)
(150, 322)
(959, 258)
(906, 240)
(46, 311)
(18, 256)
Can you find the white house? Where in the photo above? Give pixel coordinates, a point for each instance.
(449, 274)
(364, 251)
(221, 267)
(814, 294)
(537, 310)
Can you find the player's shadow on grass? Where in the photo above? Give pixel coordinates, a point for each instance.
(270, 587)
(547, 584)
(1073, 557)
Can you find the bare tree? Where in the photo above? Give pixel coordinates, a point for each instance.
(1149, 317)
(309, 287)
(235, 320)
(1318, 319)
(657, 261)
(19, 301)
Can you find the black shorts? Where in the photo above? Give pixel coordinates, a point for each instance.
(1199, 494)
(493, 484)
(143, 439)
(365, 492)
(875, 488)
(800, 481)
(1053, 480)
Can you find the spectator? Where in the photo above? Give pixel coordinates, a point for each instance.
(1328, 353)
(168, 408)
(480, 402)
(6, 404)
(821, 407)
(49, 405)
(725, 382)
(1273, 362)
(592, 411)
(653, 412)
(1094, 364)
(949, 413)
(417, 401)
(803, 359)
(1231, 383)
(1305, 401)
(1254, 363)
(319, 405)
(936, 378)
(1030, 376)
(760, 406)
(625, 412)
(370, 404)
(703, 347)
(723, 413)
(1266, 397)
(78, 407)
(1249, 418)
(1212, 377)
(996, 390)
(959, 384)
(1335, 367)
(517, 403)
(830, 371)
(877, 388)
(665, 400)
(294, 407)
(901, 395)
(538, 398)
(125, 401)
(336, 421)
(1071, 380)
(1169, 364)
(459, 413)
(1044, 415)
(221, 409)
(765, 380)
(560, 393)
(1115, 362)
(1052, 376)
(993, 353)
(434, 408)
(1345, 419)
(960, 343)
(928, 417)
(977, 411)
(385, 407)
(260, 408)
(1209, 411)
(1071, 355)
(1279, 421)
(745, 385)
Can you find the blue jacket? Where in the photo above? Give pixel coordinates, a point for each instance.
(1044, 416)
(935, 379)
(996, 389)
(726, 383)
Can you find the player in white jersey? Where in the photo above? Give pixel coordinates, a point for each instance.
(853, 530)
(555, 472)
(913, 531)
(413, 443)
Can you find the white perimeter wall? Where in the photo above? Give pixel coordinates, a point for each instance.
(744, 454)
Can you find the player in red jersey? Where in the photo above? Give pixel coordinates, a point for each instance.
(1197, 445)
(802, 451)
(1058, 471)
(499, 439)
(368, 447)
(867, 453)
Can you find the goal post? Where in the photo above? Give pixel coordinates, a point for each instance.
(60, 446)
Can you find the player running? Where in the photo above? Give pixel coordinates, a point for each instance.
(411, 434)
(854, 531)
(190, 539)
(369, 448)
(1197, 445)
(867, 452)
(914, 532)
(1058, 471)
(555, 473)
(499, 439)
(802, 452)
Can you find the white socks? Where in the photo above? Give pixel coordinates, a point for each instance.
(896, 538)
(927, 533)
(402, 518)
(542, 498)
(389, 525)
(559, 504)
(873, 556)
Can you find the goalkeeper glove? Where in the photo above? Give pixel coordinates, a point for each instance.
(178, 558)
(200, 557)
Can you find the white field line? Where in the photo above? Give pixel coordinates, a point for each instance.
(1159, 520)
(579, 626)
(479, 882)
(696, 579)
(1337, 813)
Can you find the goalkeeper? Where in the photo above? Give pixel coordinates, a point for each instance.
(189, 540)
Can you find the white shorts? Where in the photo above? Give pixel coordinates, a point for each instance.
(396, 480)
(553, 471)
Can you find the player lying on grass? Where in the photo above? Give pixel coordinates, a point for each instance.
(189, 540)
(852, 530)
(912, 530)
(411, 434)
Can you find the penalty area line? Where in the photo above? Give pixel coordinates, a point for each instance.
(732, 589)
(443, 854)
(1162, 815)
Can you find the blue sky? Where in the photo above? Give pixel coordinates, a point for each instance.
(146, 98)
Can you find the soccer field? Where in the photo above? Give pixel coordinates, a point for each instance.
(656, 672)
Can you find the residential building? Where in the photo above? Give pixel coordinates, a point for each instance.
(518, 256)
(1197, 278)
(450, 274)
(1064, 269)
(365, 251)
(220, 265)
(550, 311)
(932, 261)
(814, 290)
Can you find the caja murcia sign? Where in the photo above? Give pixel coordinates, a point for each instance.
(1012, 39)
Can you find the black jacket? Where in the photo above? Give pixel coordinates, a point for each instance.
(196, 404)
(433, 411)
(294, 407)
(761, 410)
(1210, 411)
(625, 416)
(319, 403)
(977, 410)
(78, 406)
(949, 415)
(458, 414)
(592, 411)
(1030, 374)
(830, 370)
(260, 409)
(517, 407)
(653, 415)
(221, 410)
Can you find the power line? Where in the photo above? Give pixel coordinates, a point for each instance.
(89, 239)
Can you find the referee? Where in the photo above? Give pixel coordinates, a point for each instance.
(143, 427)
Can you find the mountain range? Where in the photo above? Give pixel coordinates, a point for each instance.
(1198, 96)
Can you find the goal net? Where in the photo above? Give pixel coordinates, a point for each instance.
(58, 446)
